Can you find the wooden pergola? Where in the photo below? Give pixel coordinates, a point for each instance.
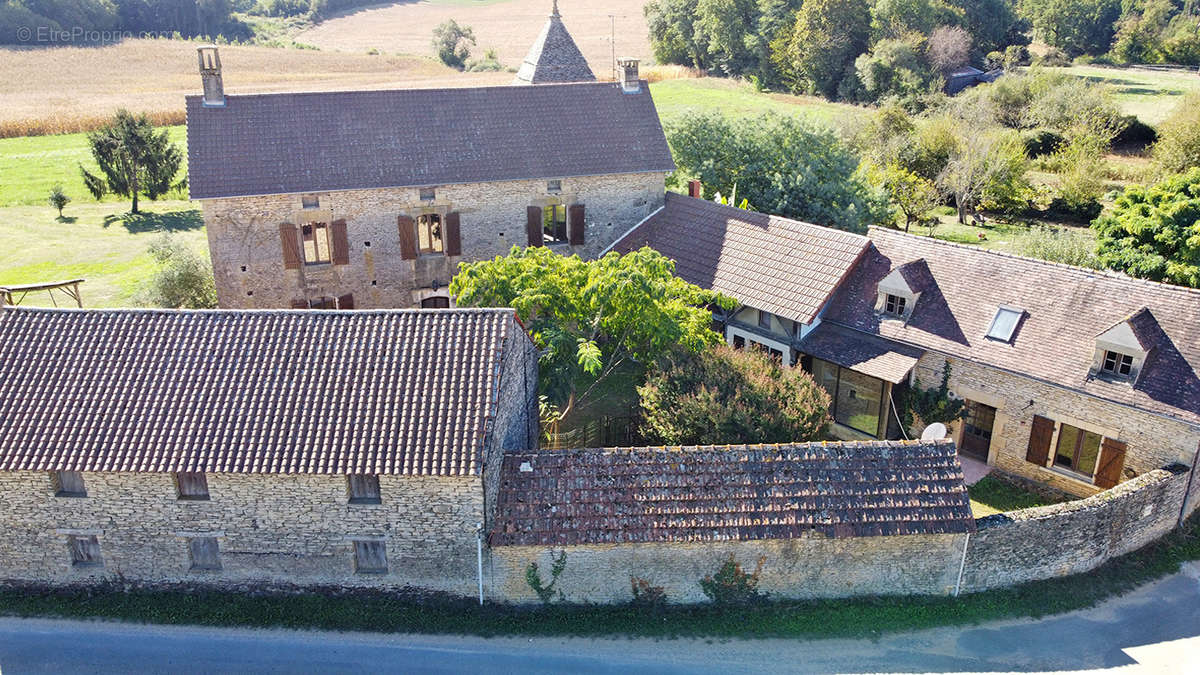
(13, 295)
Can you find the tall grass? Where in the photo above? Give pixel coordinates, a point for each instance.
(62, 122)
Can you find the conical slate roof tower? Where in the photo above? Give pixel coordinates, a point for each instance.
(554, 57)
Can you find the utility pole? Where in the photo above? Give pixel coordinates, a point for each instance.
(612, 40)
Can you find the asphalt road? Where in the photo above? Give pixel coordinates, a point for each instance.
(1153, 629)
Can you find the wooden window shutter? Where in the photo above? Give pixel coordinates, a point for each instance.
(1039, 440)
(346, 301)
(575, 225)
(340, 243)
(408, 238)
(299, 304)
(1112, 463)
(533, 225)
(288, 238)
(452, 242)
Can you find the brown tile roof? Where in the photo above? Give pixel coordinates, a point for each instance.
(777, 265)
(1066, 308)
(861, 352)
(731, 493)
(554, 57)
(312, 142)
(376, 392)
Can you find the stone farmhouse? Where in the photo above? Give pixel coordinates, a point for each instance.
(1075, 378)
(370, 199)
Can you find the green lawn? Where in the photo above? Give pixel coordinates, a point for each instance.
(993, 495)
(31, 165)
(676, 98)
(1151, 94)
(97, 242)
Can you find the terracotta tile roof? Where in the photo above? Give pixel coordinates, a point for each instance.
(312, 142)
(731, 493)
(777, 265)
(554, 57)
(1065, 309)
(377, 392)
(861, 352)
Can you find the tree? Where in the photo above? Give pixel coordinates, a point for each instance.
(184, 278)
(451, 42)
(782, 165)
(894, 19)
(133, 158)
(723, 395)
(673, 33)
(1074, 26)
(1154, 232)
(725, 27)
(992, 24)
(58, 199)
(827, 37)
(1178, 146)
(987, 167)
(949, 48)
(911, 195)
(896, 69)
(590, 318)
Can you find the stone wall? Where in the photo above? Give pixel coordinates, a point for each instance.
(247, 254)
(1073, 537)
(794, 568)
(1153, 440)
(517, 426)
(271, 530)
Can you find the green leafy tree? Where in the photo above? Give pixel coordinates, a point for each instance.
(986, 168)
(1074, 26)
(1178, 145)
(724, 395)
(896, 69)
(1154, 232)
(725, 27)
(912, 196)
(993, 24)
(58, 199)
(133, 158)
(184, 278)
(673, 32)
(453, 43)
(782, 165)
(589, 318)
(827, 37)
(895, 19)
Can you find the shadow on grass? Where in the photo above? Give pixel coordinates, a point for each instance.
(147, 221)
(67, 220)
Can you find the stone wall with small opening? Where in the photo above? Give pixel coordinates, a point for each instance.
(247, 255)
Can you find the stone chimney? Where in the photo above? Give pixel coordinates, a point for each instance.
(210, 75)
(630, 83)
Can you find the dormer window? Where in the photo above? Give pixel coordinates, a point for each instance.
(898, 293)
(895, 305)
(1116, 363)
(1004, 324)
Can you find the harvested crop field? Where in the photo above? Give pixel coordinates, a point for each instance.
(67, 89)
(508, 26)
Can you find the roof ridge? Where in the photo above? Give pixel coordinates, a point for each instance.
(769, 216)
(746, 447)
(224, 311)
(1112, 274)
(317, 92)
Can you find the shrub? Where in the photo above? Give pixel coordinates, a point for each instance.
(489, 62)
(184, 278)
(1150, 231)
(1041, 142)
(1178, 146)
(732, 585)
(645, 595)
(451, 43)
(1135, 133)
(1053, 57)
(930, 406)
(1058, 245)
(724, 395)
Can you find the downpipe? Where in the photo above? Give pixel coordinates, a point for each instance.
(479, 559)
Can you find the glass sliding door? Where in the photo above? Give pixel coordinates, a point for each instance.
(857, 399)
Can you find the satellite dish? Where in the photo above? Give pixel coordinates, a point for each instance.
(934, 432)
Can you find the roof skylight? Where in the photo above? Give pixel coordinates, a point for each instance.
(1004, 324)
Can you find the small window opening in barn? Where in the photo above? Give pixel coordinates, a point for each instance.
(322, 303)
(363, 488)
(554, 223)
(1004, 324)
(370, 557)
(205, 553)
(429, 233)
(374, 282)
(1116, 363)
(243, 268)
(436, 302)
(764, 320)
(85, 550)
(192, 486)
(310, 202)
(366, 244)
(554, 186)
(249, 293)
(316, 243)
(68, 484)
(895, 305)
(428, 194)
